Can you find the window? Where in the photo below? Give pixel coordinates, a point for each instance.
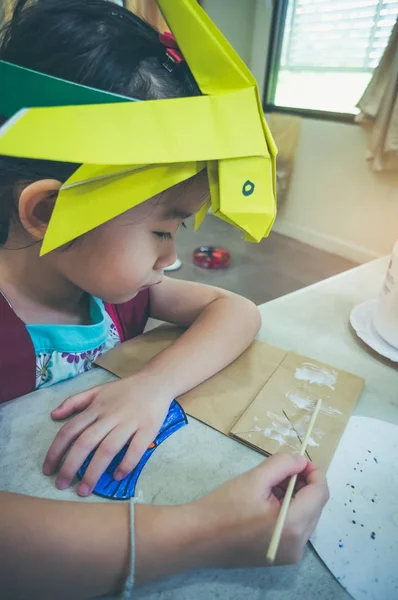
(323, 53)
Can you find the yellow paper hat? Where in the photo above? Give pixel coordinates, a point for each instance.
(223, 130)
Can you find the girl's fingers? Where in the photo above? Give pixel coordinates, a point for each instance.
(307, 504)
(299, 485)
(138, 445)
(278, 493)
(91, 437)
(280, 490)
(106, 451)
(74, 404)
(279, 467)
(64, 438)
(313, 473)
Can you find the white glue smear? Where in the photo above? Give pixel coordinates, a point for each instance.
(301, 429)
(313, 374)
(307, 403)
(281, 431)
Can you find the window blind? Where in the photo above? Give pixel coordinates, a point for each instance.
(333, 35)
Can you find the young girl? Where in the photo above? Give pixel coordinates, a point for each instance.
(72, 305)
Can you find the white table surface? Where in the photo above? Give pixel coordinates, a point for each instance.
(314, 322)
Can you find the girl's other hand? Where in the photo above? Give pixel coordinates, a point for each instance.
(130, 410)
(243, 512)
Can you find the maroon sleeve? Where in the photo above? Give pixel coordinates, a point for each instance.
(17, 355)
(130, 318)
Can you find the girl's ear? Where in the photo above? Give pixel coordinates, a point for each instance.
(36, 204)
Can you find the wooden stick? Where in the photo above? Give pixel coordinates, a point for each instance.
(276, 536)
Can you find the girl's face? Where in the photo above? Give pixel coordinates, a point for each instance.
(127, 254)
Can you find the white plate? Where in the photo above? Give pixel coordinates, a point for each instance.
(361, 319)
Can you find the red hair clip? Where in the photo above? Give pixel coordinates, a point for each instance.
(173, 52)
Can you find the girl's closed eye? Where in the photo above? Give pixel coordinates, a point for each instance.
(164, 235)
(167, 235)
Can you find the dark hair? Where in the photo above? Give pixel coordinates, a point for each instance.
(93, 42)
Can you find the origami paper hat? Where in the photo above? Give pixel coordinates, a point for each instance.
(223, 130)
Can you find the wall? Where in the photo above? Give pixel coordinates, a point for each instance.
(235, 18)
(335, 202)
(246, 24)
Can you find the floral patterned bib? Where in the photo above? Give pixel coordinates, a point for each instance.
(64, 351)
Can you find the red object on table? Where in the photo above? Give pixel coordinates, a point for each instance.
(211, 257)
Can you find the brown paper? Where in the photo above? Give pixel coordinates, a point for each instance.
(249, 399)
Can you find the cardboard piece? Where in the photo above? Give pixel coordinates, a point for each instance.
(223, 130)
(263, 399)
(278, 417)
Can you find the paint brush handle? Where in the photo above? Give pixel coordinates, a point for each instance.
(276, 536)
(310, 427)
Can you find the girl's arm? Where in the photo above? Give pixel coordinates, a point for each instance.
(221, 326)
(61, 550)
(51, 549)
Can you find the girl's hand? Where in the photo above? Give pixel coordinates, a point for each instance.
(243, 512)
(109, 417)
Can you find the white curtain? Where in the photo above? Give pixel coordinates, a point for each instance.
(379, 109)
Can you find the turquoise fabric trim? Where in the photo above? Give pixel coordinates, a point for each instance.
(72, 338)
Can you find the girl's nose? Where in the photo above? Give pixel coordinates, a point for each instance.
(167, 258)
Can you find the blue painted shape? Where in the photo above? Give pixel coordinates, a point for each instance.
(248, 188)
(107, 487)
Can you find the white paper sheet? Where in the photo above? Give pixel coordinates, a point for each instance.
(357, 536)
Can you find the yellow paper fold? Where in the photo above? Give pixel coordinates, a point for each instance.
(103, 199)
(151, 132)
